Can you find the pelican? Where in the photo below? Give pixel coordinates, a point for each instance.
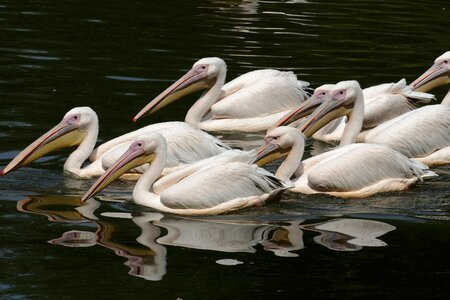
(250, 103)
(381, 103)
(79, 127)
(350, 171)
(197, 189)
(438, 74)
(422, 133)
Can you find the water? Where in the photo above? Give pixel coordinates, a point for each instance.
(115, 56)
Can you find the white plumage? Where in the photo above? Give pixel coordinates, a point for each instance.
(423, 133)
(381, 103)
(250, 103)
(79, 127)
(352, 170)
(221, 184)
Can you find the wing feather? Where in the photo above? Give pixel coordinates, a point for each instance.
(252, 95)
(361, 167)
(416, 134)
(185, 143)
(220, 184)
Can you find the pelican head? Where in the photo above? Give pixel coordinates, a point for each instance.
(307, 107)
(143, 150)
(71, 131)
(438, 74)
(278, 143)
(340, 102)
(202, 75)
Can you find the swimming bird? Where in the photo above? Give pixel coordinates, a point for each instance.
(422, 133)
(349, 171)
(250, 103)
(438, 74)
(381, 103)
(203, 188)
(79, 127)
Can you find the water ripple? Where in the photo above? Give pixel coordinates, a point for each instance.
(40, 57)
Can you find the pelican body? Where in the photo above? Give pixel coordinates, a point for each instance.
(381, 104)
(79, 127)
(250, 103)
(350, 171)
(422, 134)
(212, 186)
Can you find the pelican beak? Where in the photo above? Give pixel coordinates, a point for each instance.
(65, 134)
(435, 76)
(269, 152)
(329, 110)
(303, 110)
(194, 80)
(133, 157)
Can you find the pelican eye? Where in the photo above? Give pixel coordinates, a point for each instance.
(139, 144)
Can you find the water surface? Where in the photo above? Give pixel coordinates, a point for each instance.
(115, 56)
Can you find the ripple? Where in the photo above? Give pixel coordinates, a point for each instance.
(18, 50)
(129, 78)
(40, 57)
(33, 13)
(229, 262)
(31, 66)
(94, 20)
(15, 124)
(19, 29)
(127, 94)
(7, 155)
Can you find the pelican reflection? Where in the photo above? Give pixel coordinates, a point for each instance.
(143, 238)
(146, 258)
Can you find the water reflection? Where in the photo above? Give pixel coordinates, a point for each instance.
(142, 237)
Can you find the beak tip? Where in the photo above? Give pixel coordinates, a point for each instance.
(134, 119)
(2, 173)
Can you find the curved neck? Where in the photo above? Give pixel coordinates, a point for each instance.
(141, 192)
(201, 107)
(446, 100)
(76, 159)
(293, 160)
(355, 121)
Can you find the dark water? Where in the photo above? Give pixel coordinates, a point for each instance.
(116, 55)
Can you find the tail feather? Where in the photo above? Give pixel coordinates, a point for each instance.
(417, 97)
(421, 170)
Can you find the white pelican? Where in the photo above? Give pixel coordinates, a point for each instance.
(198, 189)
(438, 74)
(381, 103)
(351, 171)
(79, 127)
(422, 133)
(250, 103)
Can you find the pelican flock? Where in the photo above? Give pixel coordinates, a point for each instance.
(204, 189)
(79, 127)
(353, 170)
(389, 136)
